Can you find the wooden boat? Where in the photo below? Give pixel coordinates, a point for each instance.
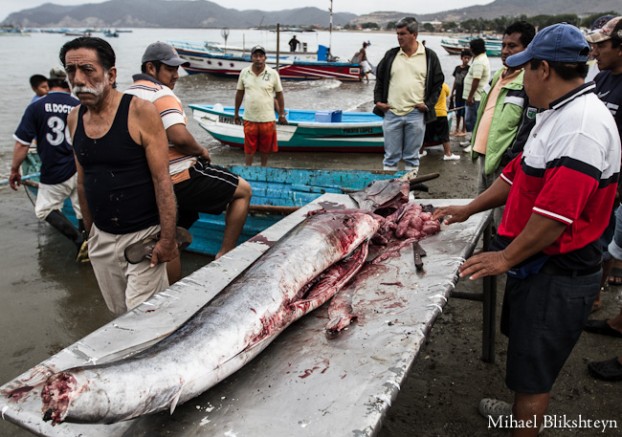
(276, 192)
(454, 46)
(316, 131)
(214, 59)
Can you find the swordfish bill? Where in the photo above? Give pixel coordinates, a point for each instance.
(223, 335)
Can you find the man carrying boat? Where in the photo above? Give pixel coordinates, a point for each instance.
(199, 186)
(259, 86)
(45, 121)
(125, 191)
(408, 82)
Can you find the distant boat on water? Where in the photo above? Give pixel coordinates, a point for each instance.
(454, 46)
(12, 31)
(111, 33)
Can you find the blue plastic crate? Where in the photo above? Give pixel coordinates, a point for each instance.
(328, 116)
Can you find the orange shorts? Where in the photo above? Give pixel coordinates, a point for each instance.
(260, 137)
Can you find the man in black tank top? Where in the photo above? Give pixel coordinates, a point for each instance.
(124, 188)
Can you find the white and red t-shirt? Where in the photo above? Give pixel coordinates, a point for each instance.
(567, 172)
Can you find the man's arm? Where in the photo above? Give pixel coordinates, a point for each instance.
(183, 141)
(435, 82)
(471, 98)
(239, 97)
(146, 125)
(20, 152)
(87, 218)
(495, 196)
(281, 102)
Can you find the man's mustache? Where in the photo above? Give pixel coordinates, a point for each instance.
(84, 89)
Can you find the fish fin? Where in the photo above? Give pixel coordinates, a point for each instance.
(176, 400)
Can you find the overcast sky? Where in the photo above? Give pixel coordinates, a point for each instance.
(355, 6)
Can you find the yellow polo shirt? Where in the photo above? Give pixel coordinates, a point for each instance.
(259, 93)
(407, 83)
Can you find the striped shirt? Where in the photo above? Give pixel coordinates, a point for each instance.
(568, 171)
(171, 113)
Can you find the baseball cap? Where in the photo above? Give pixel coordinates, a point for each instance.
(160, 51)
(58, 73)
(258, 48)
(605, 32)
(557, 43)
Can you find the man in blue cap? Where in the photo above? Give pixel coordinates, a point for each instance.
(554, 194)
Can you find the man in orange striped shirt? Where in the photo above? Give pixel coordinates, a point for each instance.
(199, 186)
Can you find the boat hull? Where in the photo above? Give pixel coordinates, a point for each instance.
(278, 187)
(290, 66)
(357, 132)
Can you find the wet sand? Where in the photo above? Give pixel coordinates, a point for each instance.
(49, 302)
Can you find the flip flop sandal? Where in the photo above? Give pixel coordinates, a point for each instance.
(615, 276)
(601, 327)
(609, 370)
(141, 250)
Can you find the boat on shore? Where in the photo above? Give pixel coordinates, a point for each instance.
(215, 59)
(277, 192)
(306, 131)
(454, 46)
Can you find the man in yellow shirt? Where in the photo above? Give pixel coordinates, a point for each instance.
(408, 82)
(259, 86)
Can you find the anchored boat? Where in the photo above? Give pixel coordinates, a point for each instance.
(306, 131)
(215, 59)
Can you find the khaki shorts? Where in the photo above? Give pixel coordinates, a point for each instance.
(124, 286)
(52, 197)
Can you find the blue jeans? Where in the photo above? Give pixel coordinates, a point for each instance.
(403, 136)
(471, 116)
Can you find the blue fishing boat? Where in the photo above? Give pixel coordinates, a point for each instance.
(276, 193)
(306, 131)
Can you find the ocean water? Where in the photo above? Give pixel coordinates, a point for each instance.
(37, 53)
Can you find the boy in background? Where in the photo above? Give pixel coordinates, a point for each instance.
(456, 92)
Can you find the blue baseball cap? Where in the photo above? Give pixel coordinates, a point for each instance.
(557, 43)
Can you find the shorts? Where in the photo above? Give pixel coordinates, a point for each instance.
(260, 137)
(543, 316)
(52, 197)
(124, 286)
(436, 132)
(460, 103)
(210, 189)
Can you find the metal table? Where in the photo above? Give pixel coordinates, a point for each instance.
(303, 383)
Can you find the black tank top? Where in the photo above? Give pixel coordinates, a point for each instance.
(117, 180)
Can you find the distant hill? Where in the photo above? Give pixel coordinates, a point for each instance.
(206, 14)
(171, 14)
(510, 8)
(500, 8)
